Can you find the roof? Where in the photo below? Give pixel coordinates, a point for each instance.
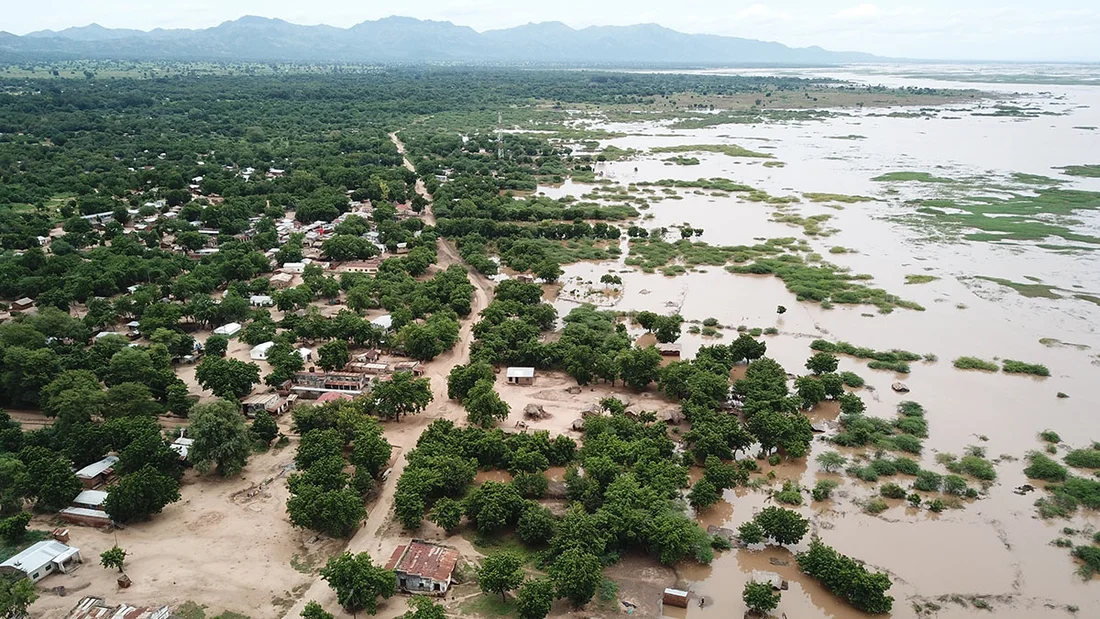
(97, 608)
(332, 396)
(24, 301)
(86, 512)
(38, 555)
(425, 560)
(232, 327)
(262, 348)
(97, 468)
(91, 497)
(521, 372)
(259, 398)
(384, 321)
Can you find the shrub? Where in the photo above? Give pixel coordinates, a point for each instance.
(864, 473)
(884, 467)
(1084, 458)
(910, 408)
(906, 466)
(937, 505)
(907, 443)
(917, 426)
(791, 494)
(927, 481)
(710, 322)
(823, 490)
(750, 533)
(975, 466)
(954, 485)
(1086, 491)
(1050, 436)
(894, 366)
(974, 363)
(1011, 366)
(892, 491)
(1056, 506)
(914, 499)
(1090, 556)
(852, 379)
(1041, 467)
(847, 578)
(831, 461)
(875, 506)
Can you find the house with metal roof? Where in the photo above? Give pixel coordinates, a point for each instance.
(97, 473)
(520, 376)
(42, 559)
(423, 567)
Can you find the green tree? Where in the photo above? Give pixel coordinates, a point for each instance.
(847, 578)
(264, 427)
(782, 525)
(484, 406)
(370, 449)
(535, 599)
(216, 345)
(500, 573)
(639, 366)
(822, 363)
(333, 355)
(759, 597)
(113, 557)
(463, 378)
(549, 271)
(17, 592)
(831, 461)
(227, 378)
(128, 400)
(141, 494)
(536, 524)
(750, 533)
(446, 513)
(668, 328)
(810, 389)
(703, 494)
(358, 583)
(313, 610)
(422, 607)
(221, 438)
(14, 528)
(493, 506)
(403, 394)
(576, 575)
(50, 482)
(333, 512)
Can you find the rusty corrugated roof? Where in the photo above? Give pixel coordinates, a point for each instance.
(424, 560)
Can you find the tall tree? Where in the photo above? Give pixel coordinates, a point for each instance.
(358, 582)
(576, 575)
(403, 394)
(227, 378)
(221, 438)
(484, 407)
(500, 573)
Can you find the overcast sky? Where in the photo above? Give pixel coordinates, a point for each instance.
(949, 29)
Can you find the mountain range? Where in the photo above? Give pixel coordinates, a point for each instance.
(404, 39)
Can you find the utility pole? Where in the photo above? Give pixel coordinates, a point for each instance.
(500, 135)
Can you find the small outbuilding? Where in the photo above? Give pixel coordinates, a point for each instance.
(22, 305)
(261, 300)
(42, 559)
(384, 322)
(259, 353)
(97, 473)
(521, 376)
(669, 350)
(423, 567)
(676, 597)
(228, 330)
(293, 267)
(91, 499)
(85, 516)
(281, 280)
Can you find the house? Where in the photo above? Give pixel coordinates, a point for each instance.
(182, 446)
(332, 396)
(269, 402)
(306, 354)
(281, 280)
(97, 473)
(261, 300)
(316, 383)
(669, 350)
(103, 334)
(367, 368)
(97, 608)
(423, 567)
(293, 267)
(384, 322)
(370, 356)
(42, 559)
(85, 516)
(259, 353)
(361, 266)
(521, 376)
(228, 330)
(91, 499)
(22, 305)
(409, 366)
(675, 597)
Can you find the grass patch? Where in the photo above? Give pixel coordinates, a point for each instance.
(844, 348)
(835, 197)
(974, 363)
(920, 279)
(493, 544)
(681, 160)
(1011, 366)
(730, 150)
(1084, 458)
(1031, 291)
(1087, 171)
(488, 605)
(910, 177)
(824, 283)
(190, 610)
(1035, 216)
(32, 536)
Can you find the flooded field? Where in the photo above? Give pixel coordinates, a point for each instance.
(994, 552)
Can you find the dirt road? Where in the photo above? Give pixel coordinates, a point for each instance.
(379, 535)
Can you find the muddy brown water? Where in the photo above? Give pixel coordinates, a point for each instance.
(995, 548)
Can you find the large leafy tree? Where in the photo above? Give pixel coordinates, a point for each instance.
(639, 366)
(758, 596)
(403, 394)
(333, 512)
(227, 378)
(484, 406)
(463, 378)
(535, 599)
(221, 438)
(358, 582)
(782, 525)
(17, 592)
(500, 573)
(333, 355)
(576, 575)
(141, 494)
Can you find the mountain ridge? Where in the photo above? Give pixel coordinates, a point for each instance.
(407, 39)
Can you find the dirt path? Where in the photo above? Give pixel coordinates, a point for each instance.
(379, 535)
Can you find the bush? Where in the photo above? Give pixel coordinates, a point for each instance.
(1084, 458)
(907, 443)
(974, 363)
(750, 533)
(791, 494)
(910, 408)
(927, 481)
(937, 505)
(847, 578)
(1042, 467)
(975, 466)
(531, 485)
(876, 506)
(852, 379)
(884, 467)
(823, 490)
(865, 473)
(892, 491)
(1011, 366)
(906, 466)
(954, 485)
(1050, 436)
(1090, 556)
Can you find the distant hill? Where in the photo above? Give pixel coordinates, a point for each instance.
(404, 39)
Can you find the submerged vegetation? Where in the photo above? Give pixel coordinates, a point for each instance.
(730, 150)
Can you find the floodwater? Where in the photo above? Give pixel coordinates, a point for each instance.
(995, 548)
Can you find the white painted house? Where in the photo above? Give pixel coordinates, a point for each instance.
(228, 330)
(42, 559)
(261, 300)
(259, 353)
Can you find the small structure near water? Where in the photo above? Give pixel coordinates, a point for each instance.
(423, 567)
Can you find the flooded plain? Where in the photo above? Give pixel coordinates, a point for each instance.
(994, 554)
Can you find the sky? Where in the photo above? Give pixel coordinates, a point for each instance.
(1051, 30)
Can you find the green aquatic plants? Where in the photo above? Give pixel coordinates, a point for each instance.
(823, 283)
(846, 577)
(908, 177)
(1011, 366)
(1084, 458)
(974, 363)
(1040, 466)
(730, 150)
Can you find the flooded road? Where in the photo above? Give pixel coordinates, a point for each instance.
(994, 552)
